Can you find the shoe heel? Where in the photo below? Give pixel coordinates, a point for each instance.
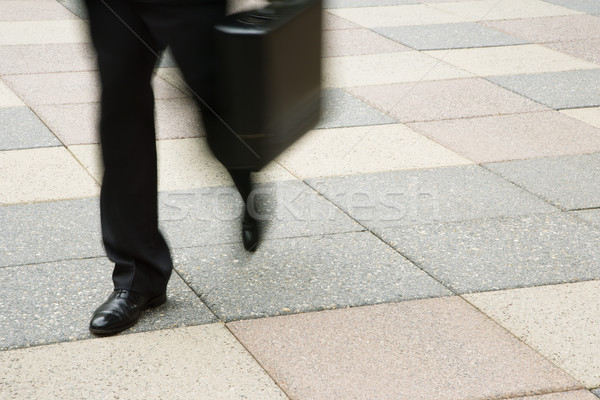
(158, 300)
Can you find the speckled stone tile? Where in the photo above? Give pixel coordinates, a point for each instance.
(415, 14)
(301, 274)
(354, 42)
(48, 303)
(71, 123)
(566, 89)
(513, 137)
(591, 216)
(50, 231)
(587, 6)
(71, 87)
(360, 150)
(510, 60)
(31, 59)
(77, 7)
(379, 69)
(20, 128)
(570, 395)
(492, 254)
(589, 115)
(568, 182)
(365, 3)
(588, 50)
(43, 32)
(202, 362)
(8, 98)
(597, 392)
(427, 196)
(34, 10)
(561, 322)
(551, 29)
(341, 109)
(437, 100)
(424, 350)
(504, 9)
(333, 22)
(42, 174)
(447, 36)
(175, 78)
(286, 209)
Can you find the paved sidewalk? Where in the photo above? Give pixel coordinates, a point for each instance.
(435, 238)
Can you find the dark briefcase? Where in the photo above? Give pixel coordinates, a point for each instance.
(268, 82)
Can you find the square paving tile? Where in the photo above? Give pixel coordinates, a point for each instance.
(429, 349)
(285, 209)
(365, 3)
(551, 29)
(560, 321)
(567, 89)
(42, 174)
(588, 50)
(427, 196)
(31, 59)
(504, 9)
(302, 274)
(513, 137)
(8, 98)
(449, 99)
(20, 129)
(492, 254)
(568, 182)
(510, 60)
(199, 362)
(34, 10)
(50, 231)
(447, 36)
(587, 6)
(71, 87)
(341, 109)
(416, 14)
(360, 150)
(49, 303)
(354, 42)
(377, 69)
(43, 32)
(571, 395)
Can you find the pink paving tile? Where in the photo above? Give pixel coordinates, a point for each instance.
(588, 50)
(333, 22)
(513, 137)
(33, 10)
(28, 59)
(353, 42)
(427, 349)
(551, 29)
(436, 100)
(71, 87)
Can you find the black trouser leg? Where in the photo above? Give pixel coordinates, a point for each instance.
(129, 209)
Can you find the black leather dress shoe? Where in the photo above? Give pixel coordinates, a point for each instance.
(121, 310)
(250, 233)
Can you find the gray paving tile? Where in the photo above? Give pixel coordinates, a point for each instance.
(302, 274)
(341, 109)
(588, 6)
(590, 216)
(365, 3)
(47, 303)
(20, 128)
(286, 209)
(427, 196)
(31, 59)
(77, 7)
(568, 182)
(596, 392)
(502, 253)
(568, 89)
(448, 36)
(52, 231)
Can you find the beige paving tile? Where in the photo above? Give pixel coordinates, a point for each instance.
(71, 87)
(182, 164)
(71, 123)
(589, 115)
(427, 349)
(436, 100)
(174, 77)
(352, 42)
(560, 321)
(509, 60)
(501, 9)
(588, 50)
(41, 32)
(414, 14)
(365, 149)
(513, 137)
(31, 59)
(201, 362)
(8, 98)
(377, 69)
(43, 174)
(35, 10)
(333, 22)
(571, 395)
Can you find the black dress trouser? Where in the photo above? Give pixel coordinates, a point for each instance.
(127, 36)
